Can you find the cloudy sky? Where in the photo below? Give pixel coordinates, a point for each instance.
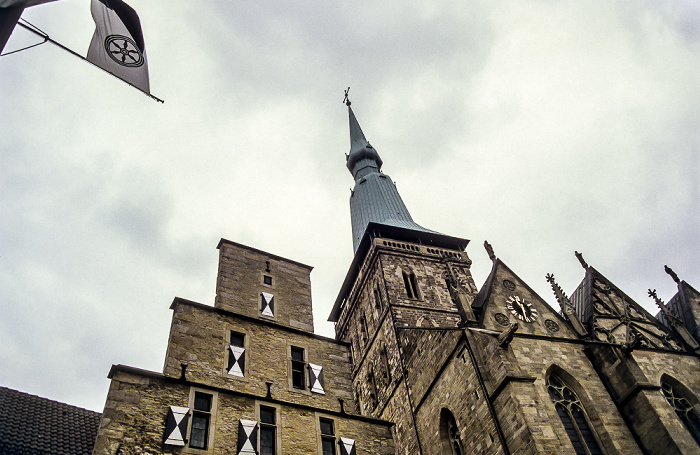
(542, 126)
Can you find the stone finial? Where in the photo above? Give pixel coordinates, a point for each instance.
(673, 275)
(670, 317)
(489, 250)
(579, 256)
(566, 306)
(346, 100)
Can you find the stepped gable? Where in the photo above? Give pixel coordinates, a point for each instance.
(31, 425)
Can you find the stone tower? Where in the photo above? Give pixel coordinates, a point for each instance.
(407, 287)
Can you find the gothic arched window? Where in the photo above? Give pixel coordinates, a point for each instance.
(450, 439)
(377, 298)
(683, 407)
(573, 416)
(411, 284)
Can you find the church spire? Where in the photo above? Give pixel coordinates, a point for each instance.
(375, 198)
(363, 158)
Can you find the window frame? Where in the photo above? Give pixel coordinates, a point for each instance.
(566, 408)
(680, 392)
(410, 282)
(325, 437)
(450, 436)
(230, 329)
(259, 406)
(301, 367)
(211, 421)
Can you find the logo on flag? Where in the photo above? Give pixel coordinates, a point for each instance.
(117, 45)
(123, 50)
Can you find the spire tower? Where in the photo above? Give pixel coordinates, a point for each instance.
(375, 198)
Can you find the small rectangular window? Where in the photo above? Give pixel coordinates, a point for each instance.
(267, 279)
(236, 355)
(201, 417)
(237, 339)
(298, 368)
(268, 430)
(327, 436)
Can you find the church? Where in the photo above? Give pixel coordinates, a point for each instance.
(424, 361)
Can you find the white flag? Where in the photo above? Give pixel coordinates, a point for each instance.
(117, 45)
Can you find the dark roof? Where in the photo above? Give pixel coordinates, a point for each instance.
(31, 425)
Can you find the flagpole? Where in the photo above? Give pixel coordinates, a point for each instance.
(56, 43)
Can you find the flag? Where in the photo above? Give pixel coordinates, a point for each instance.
(10, 11)
(117, 45)
(22, 3)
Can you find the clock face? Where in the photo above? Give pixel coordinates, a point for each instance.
(521, 309)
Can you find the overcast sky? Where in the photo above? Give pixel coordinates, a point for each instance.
(542, 126)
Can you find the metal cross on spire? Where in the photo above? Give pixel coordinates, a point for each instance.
(346, 100)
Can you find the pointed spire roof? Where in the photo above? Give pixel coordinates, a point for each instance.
(362, 156)
(375, 198)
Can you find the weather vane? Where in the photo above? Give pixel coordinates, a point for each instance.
(346, 100)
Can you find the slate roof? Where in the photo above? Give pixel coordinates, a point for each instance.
(375, 198)
(31, 425)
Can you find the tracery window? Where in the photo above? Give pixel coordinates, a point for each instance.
(449, 434)
(684, 409)
(573, 416)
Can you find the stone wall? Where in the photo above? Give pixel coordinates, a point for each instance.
(241, 280)
(199, 338)
(137, 404)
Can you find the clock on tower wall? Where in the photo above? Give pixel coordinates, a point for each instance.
(521, 309)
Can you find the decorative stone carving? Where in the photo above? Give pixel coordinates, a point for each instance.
(673, 275)
(506, 336)
(551, 325)
(459, 295)
(579, 256)
(567, 307)
(676, 324)
(489, 250)
(502, 319)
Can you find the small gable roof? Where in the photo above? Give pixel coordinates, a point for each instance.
(31, 425)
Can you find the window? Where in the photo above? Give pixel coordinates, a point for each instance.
(327, 437)
(385, 363)
(267, 279)
(298, 368)
(236, 355)
(372, 386)
(201, 415)
(573, 416)
(684, 409)
(377, 298)
(363, 330)
(268, 430)
(411, 284)
(450, 438)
